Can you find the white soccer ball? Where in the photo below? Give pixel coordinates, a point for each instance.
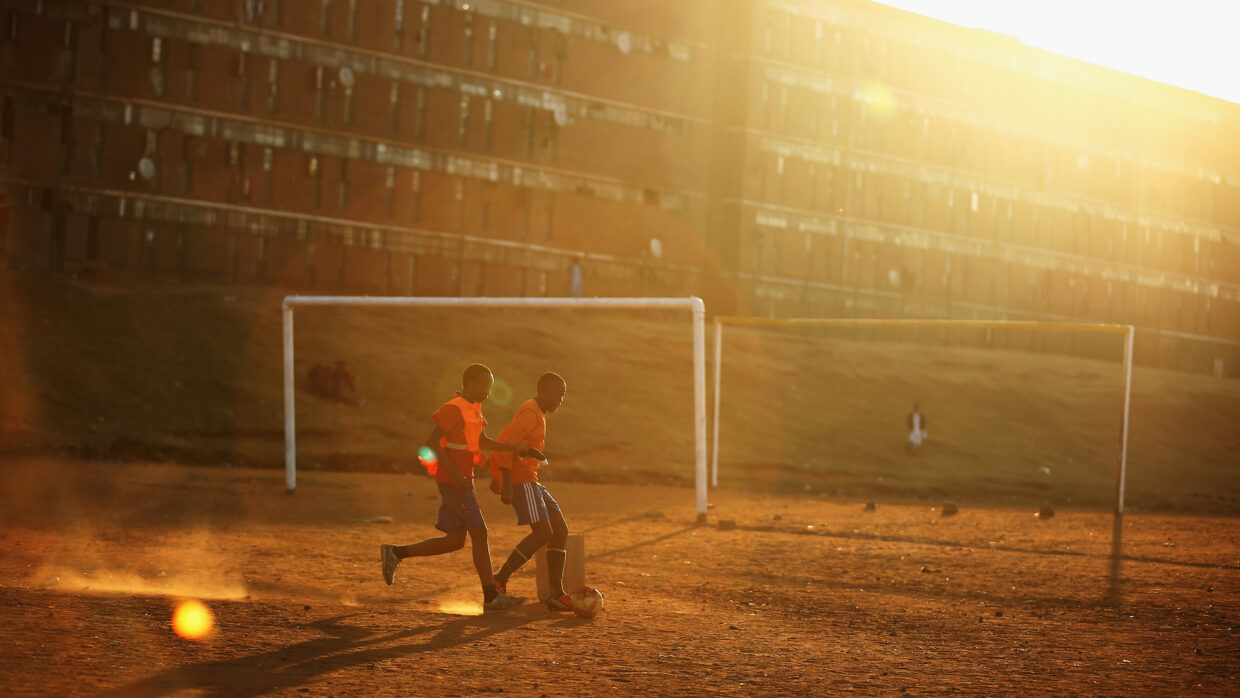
(588, 602)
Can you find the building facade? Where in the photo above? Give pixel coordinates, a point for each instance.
(782, 157)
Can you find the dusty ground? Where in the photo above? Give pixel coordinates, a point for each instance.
(808, 594)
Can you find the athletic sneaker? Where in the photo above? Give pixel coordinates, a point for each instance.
(563, 602)
(387, 556)
(503, 602)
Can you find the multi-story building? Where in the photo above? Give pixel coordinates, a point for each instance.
(379, 146)
(788, 157)
(882, 163)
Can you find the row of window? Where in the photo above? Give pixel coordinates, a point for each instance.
(211, 240)
(100, 112)
(974, 69)
(882, 127)
(1009, 285)
(258, 58)
(791, 173)
(1134, 254)
(415, 16)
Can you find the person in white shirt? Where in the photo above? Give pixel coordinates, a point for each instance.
(916, 429)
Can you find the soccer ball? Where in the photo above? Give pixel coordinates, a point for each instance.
(588, 602)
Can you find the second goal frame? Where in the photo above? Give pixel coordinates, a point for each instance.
(1126, 330)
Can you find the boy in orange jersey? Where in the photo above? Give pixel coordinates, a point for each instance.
(452, 449)
(518, 484)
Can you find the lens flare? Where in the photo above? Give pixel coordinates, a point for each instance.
(427, 457)
(192, 620)
(882, 102)
(501, 393)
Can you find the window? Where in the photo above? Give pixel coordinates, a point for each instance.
(394, 108)
(424, 31)
(820, 54)
(561, 53)
(389, 181)
(415, 189)
(187, 163)
(325, 17)
(492, 34)
(533, 54)
(96, 146)
(352, 20)
(191, 72)
(348, 103)
(243, 72)
(551, 140)
(463, 126)
(529, 131)
(487, 116)
(419, 118)
(273, 73)
(269, 158)
(318, 93)
(342, 189)
(469, 39)
(316, 182)
(92, 239)
(399, 26)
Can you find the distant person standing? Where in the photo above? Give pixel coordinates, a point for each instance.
(916, 429)
(574, 279)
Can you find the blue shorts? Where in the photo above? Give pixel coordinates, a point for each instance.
(458, 513)
(532, 501)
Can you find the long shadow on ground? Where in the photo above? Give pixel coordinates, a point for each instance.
(281, 668)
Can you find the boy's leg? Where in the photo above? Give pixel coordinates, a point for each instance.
(532, 512)
(556, 555)
(556, 551)
(540, 533)
(456, 515)
(482, 561)
(494, 600)
(447, 543)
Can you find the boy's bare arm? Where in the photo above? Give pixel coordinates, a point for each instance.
(489, 444)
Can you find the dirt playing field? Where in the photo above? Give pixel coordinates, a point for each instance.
(808, 594)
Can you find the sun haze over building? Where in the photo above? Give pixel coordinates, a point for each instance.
(786, 157)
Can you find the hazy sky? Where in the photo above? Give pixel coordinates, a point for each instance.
(1194, 44)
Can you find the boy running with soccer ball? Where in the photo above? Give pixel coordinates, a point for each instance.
(516, 481)
(453, 448)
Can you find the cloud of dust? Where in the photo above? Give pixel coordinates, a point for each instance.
(460, 607)
(109, 582)
(188, 564)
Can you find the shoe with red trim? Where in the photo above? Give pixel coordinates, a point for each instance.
(564, 602)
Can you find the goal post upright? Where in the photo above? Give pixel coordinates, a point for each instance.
(1127, 331)
(693, 304)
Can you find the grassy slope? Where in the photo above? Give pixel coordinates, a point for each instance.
(195, 374)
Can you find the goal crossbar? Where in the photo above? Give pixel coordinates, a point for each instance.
(1126, 330)
(694, 305)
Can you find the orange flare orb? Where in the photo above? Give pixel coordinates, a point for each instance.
(192, 620)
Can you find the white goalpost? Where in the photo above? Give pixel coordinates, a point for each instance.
(1126, 330)
(695, 306)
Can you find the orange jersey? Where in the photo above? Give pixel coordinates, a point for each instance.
(462, 423)
(528, 428)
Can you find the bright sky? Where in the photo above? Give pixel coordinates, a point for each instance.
(1188, 43)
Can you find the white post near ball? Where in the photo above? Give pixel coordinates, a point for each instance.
(574, 567)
